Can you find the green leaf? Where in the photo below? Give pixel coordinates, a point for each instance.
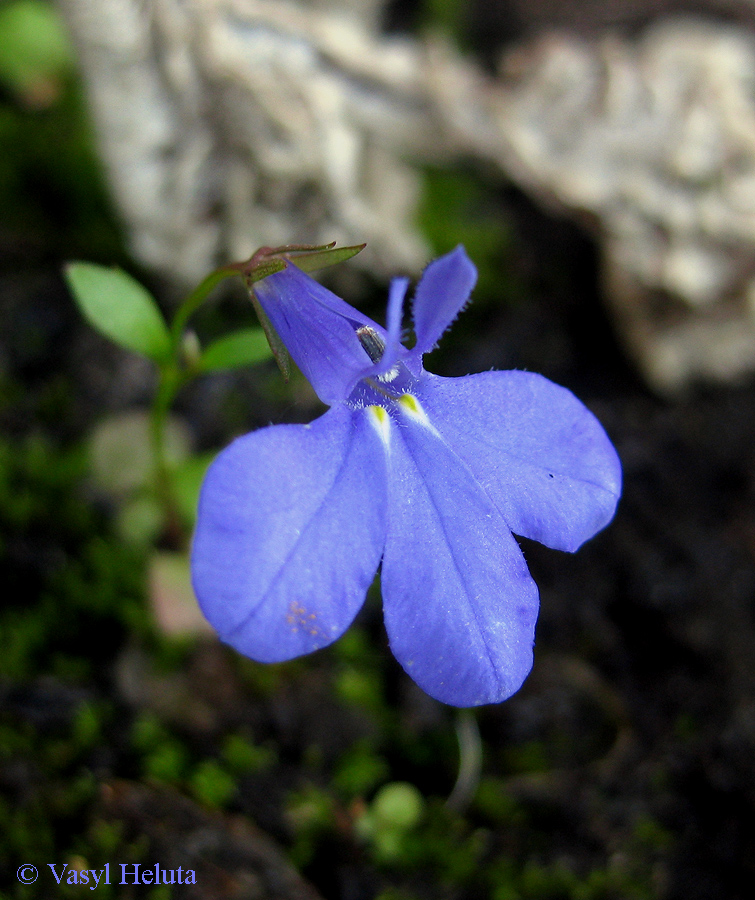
(120, 308)
(34, 47)
(321, 259)
(241, 348)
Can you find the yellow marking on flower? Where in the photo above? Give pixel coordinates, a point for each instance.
(410, 402)
(382, 422)
(414, 409)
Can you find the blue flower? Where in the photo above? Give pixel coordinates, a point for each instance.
(430, 475)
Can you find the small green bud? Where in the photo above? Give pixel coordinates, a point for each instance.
(398, 805)
(191, 349)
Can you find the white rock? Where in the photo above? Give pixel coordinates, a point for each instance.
(229, 124)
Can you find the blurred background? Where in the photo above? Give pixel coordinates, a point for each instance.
(597, 159)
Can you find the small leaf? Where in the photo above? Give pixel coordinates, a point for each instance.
(241, 348)
(321, 259)
(120, 308)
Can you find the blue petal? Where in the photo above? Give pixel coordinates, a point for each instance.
(318, 329)
(540, 454)
(460, 605)
(393, 347)
(290, 532)
(441, 294)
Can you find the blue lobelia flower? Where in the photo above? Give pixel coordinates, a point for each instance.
(430, 475)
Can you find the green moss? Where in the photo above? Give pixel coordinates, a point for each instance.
(104, 838)
(163, 892)
(546, 882)
(164, 757)
(559, 880)
(354, 647)
(359, 771)
(358, 688)
(497, 806)
(242, 756)
(649, 834)
(311, 816)
(72, 590)
(389, 821)
(166, 763)
(264, 680)
(34, 49)
(395, 894)
(211, 784)
(528, 757)
(447, 16)
(43, 821)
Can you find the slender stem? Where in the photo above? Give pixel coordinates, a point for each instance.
(170, 379)
(257, 266)
(174, 373)
(470, 761)
(195, 299)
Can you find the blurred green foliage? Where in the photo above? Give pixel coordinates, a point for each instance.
(390, 819)
(458, 207)
(72, 590)
(243, 757)
(359, 771)
(34, 50)
(51, 185)
(446, 16)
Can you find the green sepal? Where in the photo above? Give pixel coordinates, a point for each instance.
(269, 260)
(262, 269)
(240, 348)
(307, 257)
(326, 256)
(277, 347)
(116, 305)
(264, 262)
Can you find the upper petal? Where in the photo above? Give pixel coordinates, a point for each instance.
(318, 329)
(290, 531)
(393, 347)
(539, 453)
(460, 605)
(442, 292)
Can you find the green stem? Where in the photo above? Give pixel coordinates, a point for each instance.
(256, 267)
(470, 762)
(174, 373)
(195, 299)
(170, 380)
